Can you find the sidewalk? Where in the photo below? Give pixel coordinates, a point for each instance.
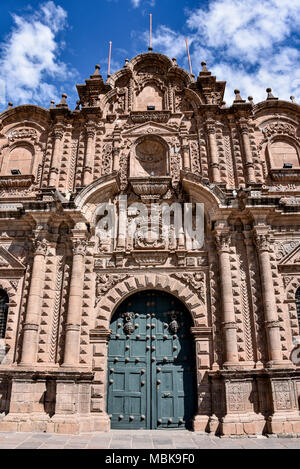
(140, 440)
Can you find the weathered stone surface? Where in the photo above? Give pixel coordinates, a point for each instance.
(62, 279)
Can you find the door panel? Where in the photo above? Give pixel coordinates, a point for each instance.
(151, 369)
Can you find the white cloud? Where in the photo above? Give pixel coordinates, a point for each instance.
(168, 41)
(28, 58)
(249, 43)
(138, 3)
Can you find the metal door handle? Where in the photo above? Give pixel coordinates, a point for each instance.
(166, 394)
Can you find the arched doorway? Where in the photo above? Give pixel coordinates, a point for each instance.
(151, 364)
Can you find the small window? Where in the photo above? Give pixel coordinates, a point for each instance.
(298, 305)
(4, 300)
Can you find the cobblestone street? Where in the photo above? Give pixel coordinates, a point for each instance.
(140, 440)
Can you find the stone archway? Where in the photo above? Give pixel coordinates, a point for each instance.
(114, 288)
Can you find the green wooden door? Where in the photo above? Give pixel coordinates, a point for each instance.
(151, 364)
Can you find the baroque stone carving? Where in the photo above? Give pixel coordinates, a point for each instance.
(105, 282)
(285, 248)
(279, 128)
(22, 134)
(107, 159)
(195, 158)
(282, 395)
(290, 201)
(150, 258)
(196, 280)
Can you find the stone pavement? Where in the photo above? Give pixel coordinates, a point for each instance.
(117, 439)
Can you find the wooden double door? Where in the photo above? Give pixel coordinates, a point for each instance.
(151, 364)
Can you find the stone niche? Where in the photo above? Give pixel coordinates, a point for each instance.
(149, 158)
(283, 152)
(149, 96)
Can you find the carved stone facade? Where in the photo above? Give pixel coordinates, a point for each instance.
(152, 133)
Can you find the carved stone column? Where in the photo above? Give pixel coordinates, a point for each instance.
(244, 129)
(72, 337)
(58, 135)
(33, 312)
(229, 320)
(88, 169)
(214, 158)
(271, 318)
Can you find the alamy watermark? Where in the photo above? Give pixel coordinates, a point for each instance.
(181, 221)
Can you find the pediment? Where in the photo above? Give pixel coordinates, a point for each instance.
(292, 258)
(8, 261)
(150, 128)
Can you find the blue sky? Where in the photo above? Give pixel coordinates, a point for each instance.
(49, 46)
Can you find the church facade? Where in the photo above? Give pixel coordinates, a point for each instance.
(132, 331)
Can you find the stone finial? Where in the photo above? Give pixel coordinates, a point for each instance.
(97, 71)
(238, 98)
(270, 95)
(52, 102)
(204, 70)
(293, 99)
(63, 102)
(10, 105)
(174, 60)
(223, 105)
(126, 63)
(63, 99)
(77, 105)
(250, 99)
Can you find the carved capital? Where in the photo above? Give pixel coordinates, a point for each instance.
(223, 240)
(90, 130)
(262, 242)
(58, 133)
(79, 246)
(210, 127)
(40, 247)
(243, 126)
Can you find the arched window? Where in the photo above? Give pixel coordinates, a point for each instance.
(298, 304)
(4, 300)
